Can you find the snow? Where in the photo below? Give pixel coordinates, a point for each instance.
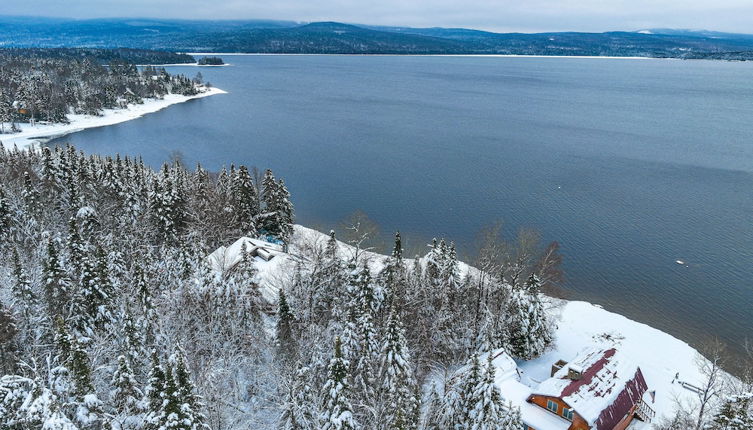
(225, 258)
(515, 392)
(580, 327)
(40, 133)
(660, 356)
(591, 395)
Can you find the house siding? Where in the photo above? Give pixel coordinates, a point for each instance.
(578, 422)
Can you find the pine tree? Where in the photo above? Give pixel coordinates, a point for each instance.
(398, 385)
(190, 415)
(462, 397)
(299, 410)
(6, 219)
(153, 394)
(31, 197)
(735, 414)
(8, 341)
(246, 201)
(286, 341)
(55, 282)
(77, 250)
(285, 211)
(488, 413)
(337, 411)
(530, 333)
(22, 290)
(125, 394)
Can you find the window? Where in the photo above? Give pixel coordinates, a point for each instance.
(567, 413)
(552, 406)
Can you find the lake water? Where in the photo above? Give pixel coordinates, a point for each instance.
(629, 164)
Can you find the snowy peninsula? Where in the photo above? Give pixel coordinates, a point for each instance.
(40, 132)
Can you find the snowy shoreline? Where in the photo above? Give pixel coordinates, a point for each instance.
(670, 365)
(258, 54)
(38, 134)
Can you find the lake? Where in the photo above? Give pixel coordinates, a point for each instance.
(629, 164)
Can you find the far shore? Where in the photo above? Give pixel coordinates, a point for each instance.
(425, 55)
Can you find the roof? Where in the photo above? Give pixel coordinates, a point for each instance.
(609, 387)
(225, 258)
(515, 392)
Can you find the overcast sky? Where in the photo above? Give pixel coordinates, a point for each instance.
(499, 15)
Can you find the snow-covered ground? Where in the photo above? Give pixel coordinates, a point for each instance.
(580, 326)
(660, 356)
(41, 133)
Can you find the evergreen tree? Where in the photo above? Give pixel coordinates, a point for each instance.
(530, 333)
(190, 415)
(6, 220)
(398, 386)
(153, 394)
(31, 196)
(488, 413)
(337, 412)
(285, 211)
(463, 396)
(22, 290)
(299, 410)
(246, 201)
(55, 282)
(286, 341)
(125, 394)
(735, 414)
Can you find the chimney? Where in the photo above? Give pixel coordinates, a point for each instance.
(574, 372)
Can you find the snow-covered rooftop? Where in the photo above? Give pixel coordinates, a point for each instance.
(225, 258)
(609, 385)
(512, 390)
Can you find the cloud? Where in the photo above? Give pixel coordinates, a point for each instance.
(499, 15)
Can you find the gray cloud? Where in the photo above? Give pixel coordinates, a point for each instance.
(499, 15)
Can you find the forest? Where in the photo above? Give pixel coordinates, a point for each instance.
(46, 85)
(112, 317)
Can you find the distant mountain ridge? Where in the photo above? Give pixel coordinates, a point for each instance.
(269, 36)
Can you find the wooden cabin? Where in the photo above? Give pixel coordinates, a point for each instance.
(598, 390)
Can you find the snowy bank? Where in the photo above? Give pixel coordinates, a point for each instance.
(41, 133)
(664, 360)
(660, 356)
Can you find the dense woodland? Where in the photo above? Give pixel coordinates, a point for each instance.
(111, 316)
(267, 36)
(49, 84)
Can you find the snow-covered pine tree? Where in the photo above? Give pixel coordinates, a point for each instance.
(246, 201)
(398, 385)
(489, 413)
(337, 412)
(8, 341)
(6, 218)
(56, 284)
(23, 293)
(191, 416)
(285, 211)
(299, 411)
(361, 334)
(286, 341)
(393, 277)
(735, 413)
(152, 403)
(125, 395)
(461, 399)
(529, 330)
(30, 196)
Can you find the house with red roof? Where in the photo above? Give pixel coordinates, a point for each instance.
(598, 390)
